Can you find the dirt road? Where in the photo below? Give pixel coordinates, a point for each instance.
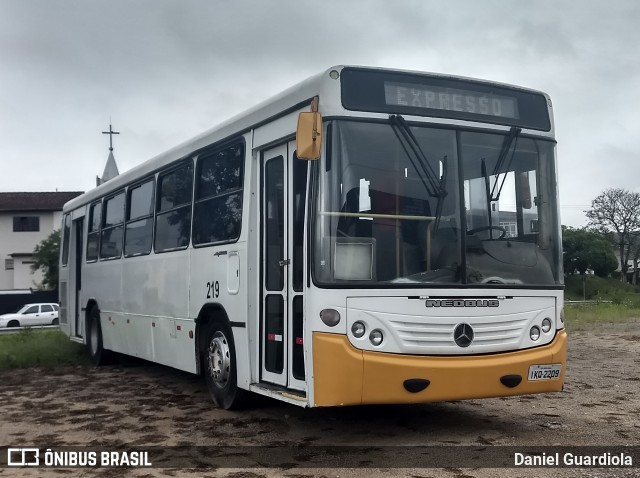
(150, 405)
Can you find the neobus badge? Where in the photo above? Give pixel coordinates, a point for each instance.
(463, 303)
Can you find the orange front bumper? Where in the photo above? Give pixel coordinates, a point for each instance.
(344, 375)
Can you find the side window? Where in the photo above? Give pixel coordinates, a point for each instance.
(139, 228)
(46, 308)
(93, 236)
(112, 227)
(32, 310)
(66, 233)
(56, 307)
(173, 215)
(217, 213)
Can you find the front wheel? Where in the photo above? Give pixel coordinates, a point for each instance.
(95, 349)
(220, 367)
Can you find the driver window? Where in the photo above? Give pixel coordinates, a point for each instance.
(32, 310)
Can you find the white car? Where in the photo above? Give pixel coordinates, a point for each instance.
(31, 314)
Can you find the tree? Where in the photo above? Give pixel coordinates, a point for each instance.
(616, 214)
(46, 256)
(587, 250)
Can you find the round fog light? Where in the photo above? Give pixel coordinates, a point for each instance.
(330, 317)
(358, 329)
(534, 333)
(376, 337)
(546, 325)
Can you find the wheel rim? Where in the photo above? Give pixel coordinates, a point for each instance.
(94, 337)
(219, 360)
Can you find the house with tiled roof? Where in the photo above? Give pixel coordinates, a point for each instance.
(26, 218)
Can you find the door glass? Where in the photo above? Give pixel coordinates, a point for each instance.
(274, 234)
(274, 331)
(296, 338)
(299, 191)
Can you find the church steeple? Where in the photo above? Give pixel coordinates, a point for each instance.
(110, 169)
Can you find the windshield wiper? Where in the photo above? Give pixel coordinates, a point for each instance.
(434, 187)
(506, 147)
(487, 188)
(491, 193)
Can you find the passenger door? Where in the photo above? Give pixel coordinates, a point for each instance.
(282, 213)
(78, 227)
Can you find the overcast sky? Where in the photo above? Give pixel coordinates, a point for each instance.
(164, 71)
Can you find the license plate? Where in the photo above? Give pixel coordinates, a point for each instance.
(544, 372)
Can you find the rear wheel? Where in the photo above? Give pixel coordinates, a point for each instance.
(95, 349)
(55, 321)
(221, 375)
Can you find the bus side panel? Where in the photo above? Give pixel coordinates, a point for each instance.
(138, 304)
(156, 297)
(103, 282)
(219, 278)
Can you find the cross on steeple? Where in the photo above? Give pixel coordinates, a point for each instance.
(110, 133)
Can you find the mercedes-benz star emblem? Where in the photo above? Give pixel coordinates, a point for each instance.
(463, 335)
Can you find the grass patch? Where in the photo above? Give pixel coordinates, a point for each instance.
(586, 316)
(598, 288)
(39, 348)
(622, 301)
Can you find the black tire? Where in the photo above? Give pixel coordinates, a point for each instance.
(13, 323)
(219, 365)
(97, 354)
(56, 321)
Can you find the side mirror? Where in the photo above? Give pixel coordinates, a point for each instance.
(309, 133)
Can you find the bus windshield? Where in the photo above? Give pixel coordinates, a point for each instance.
(401, 205)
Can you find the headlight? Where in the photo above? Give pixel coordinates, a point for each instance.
(376, 337)
(546, 325)
(358, 329)
(534, 333)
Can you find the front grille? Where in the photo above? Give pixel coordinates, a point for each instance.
(429, 333)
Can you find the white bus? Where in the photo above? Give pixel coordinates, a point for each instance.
(368, 236)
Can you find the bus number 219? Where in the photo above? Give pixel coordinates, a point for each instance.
(213, 290)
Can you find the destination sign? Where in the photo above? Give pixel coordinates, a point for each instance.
(437, 96)
(450, 99)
